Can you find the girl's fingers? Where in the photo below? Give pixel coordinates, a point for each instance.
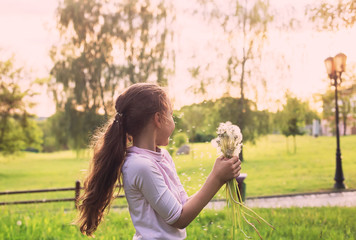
(237, 172)
(237, 164)
(238, 169)
(221, 158)
(231, 166)
(235, 159)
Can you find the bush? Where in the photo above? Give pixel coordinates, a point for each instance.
(180, 139)
(170, 148)
(200, 137)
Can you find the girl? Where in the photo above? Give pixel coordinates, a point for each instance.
(158, 205)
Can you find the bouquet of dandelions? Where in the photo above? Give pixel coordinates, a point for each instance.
(229, 143)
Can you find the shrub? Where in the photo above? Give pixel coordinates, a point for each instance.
(180, 139)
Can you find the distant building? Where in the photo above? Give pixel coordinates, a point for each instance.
(316, 128)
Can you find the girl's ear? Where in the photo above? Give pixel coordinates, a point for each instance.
(157, 119)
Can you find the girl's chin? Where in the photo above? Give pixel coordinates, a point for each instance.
(165, 143)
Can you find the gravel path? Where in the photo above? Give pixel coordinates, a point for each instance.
(345, 198)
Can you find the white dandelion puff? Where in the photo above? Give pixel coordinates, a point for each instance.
(229, 143)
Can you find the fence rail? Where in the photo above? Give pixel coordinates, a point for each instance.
(75, 199)
(37, 191)
(77, 189)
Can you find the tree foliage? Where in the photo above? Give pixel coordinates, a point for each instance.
(333, 15)
(106, 46)
(18, 129)
(244, 27)
(293, 117)
(200, 121)
(346, 113)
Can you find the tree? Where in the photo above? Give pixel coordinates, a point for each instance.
(230, 109)
(346, 93)
(292, 118)
(328, 99)
(201, 120)
(244, 27)
(105, 47)
(196, 119)
(333, 15)
(18, 130)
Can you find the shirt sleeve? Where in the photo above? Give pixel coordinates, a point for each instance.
(149, 180)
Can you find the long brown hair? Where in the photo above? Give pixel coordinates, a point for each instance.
(134, 107)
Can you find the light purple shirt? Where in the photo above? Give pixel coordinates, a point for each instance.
(154, 193)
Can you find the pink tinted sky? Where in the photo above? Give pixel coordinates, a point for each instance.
(28, 30)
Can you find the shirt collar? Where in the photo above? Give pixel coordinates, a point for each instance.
(156, 155)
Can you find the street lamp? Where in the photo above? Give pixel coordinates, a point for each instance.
(335, 66)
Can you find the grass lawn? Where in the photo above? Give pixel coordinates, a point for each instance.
(270, 168)
(293, 223)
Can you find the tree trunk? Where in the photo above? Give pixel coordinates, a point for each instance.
(4, 125)
(287, 144)
(241, 155)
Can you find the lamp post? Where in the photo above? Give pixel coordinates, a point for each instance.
(335, 66)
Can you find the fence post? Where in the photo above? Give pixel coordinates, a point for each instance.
(77, 193)
(242, 186)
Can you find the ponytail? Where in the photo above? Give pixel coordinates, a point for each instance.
(135, 107)
(104, 173)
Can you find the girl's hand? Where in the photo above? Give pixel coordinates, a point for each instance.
(226, 169)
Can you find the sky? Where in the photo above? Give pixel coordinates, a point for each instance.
(28, 31)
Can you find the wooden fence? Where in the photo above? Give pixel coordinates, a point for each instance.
(77, 189)
(75, 199)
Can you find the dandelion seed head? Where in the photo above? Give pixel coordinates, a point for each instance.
(229, 139)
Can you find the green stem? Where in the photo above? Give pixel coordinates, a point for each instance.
(252, 212)
(252, 225)
(239, 211)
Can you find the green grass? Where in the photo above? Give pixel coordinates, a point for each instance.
(270, 168)
(327, 223)
(42, 170)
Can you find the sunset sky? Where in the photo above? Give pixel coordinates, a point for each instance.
(28, 30)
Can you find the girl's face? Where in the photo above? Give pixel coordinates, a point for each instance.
(167, 128)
